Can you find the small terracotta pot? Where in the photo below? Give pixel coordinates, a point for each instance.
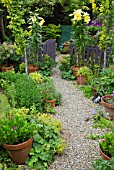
(81, 80)
(107, 108)
(51, 102)
(105, 157)
(67, 48)
(19, 153)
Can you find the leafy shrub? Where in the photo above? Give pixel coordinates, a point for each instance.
(47, 142)
(46, 65)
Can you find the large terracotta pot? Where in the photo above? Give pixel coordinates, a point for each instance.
(4, 69)
(107, 108)
(81, 80)
(51, 102)
(19, 153)
(74, 70)
(105, 157)
(32, 68)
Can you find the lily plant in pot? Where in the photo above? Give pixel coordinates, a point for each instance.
(83, 75)
(106, 146)
(108, 106)
(16, 135)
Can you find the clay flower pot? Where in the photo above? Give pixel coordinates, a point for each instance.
(105, 157)
(81, 80)
(107, 108)
(19, 153)
(4, 69)
(74, 70)
(51, 102)
(32, 68)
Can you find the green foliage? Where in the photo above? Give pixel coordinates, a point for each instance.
(107, 144)
(101, 122)
(93, 137)
(46, 65)
(15, 128)
(47, 142)
(16, 85)
(35, 38)
(48, 109)
(37, 77)
(103, 164)
(3, 103)
(104, 83)
(51, 31)
(67, 75)
(87, 90)
(65, 63)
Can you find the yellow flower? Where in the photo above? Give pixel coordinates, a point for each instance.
(87, 18)
(8, 55)
(77, 17)
(41, 22)
(101, 8)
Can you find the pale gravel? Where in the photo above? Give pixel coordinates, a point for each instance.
(80, 152)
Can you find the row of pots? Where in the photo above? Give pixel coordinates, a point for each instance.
(31, 68)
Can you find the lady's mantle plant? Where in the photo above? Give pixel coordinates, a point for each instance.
(15, 128)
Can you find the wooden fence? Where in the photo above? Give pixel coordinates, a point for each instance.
(91, 54)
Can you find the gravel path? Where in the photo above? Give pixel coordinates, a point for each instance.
(75, 109)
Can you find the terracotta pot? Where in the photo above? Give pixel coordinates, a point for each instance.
(51, 102)
(32, 68)
(19, 153)
(4, 69)
(74, 70)
(105, 157)
(81, 80)
(66, 46)
(107, 108)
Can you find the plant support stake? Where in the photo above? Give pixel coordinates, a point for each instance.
(26, 63)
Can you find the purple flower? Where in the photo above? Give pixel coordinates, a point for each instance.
(104, 96)
(104, 89)
(93, 111)
(106, 129)
(113, 95)
(15, 127)
(110, 102)
(2, 167)
(100, 84)
(102, 140)
(97, 99)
